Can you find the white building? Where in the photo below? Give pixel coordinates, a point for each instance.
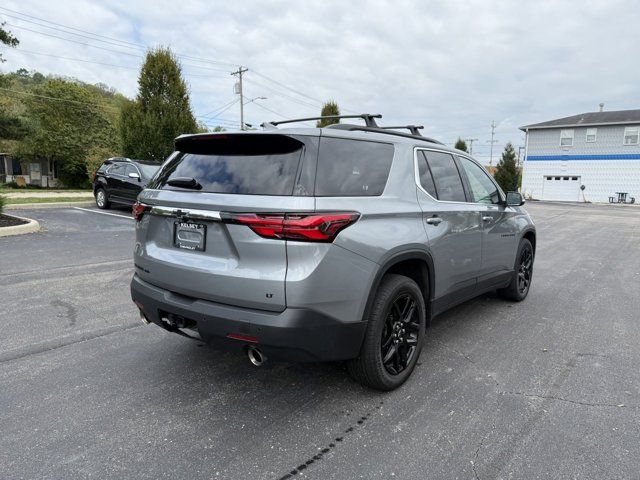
(600, 150)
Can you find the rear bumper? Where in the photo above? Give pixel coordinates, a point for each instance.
(295, 334)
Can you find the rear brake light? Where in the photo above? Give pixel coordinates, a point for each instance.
(318, 227)
(94, 175)
(138, 210)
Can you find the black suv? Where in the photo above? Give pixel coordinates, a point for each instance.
(120, 180)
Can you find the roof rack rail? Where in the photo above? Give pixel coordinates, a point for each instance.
(412, 128)
(369, 119)
(383, 130)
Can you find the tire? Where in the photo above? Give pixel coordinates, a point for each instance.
(102, 200)
(385, 324)
(520, 284)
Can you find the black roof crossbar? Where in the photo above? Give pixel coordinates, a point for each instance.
(412, 128)
(369, 119)
(384, 130)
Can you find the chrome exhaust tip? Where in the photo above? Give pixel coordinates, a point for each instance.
(144, 319)
(256, 357)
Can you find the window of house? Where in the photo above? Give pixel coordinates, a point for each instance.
(631, 135)
(566, 138)
(591, 135)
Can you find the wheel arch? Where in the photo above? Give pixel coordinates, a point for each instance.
(415, 264)
(99, 183)
(530, 234)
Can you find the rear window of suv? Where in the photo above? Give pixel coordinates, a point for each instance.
(348, 168)
(266, 165)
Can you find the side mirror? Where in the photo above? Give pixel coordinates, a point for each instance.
(514, 199)
(134, 175)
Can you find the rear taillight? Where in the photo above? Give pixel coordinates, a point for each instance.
(94, 175)
(317, 227)
(138, 210)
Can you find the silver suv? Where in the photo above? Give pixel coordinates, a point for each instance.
(309, 244)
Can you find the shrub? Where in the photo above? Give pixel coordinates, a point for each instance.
(2, 202)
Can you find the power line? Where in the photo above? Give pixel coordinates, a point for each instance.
(64, 26)
(58, 99)
(68, 58)
(136, 46)
(216, 109)
(107, 49)
(96, 36)
(277, 92)
(294, 90)
(223, 110)
(277, 113)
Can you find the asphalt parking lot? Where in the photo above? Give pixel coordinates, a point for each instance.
(547, 388)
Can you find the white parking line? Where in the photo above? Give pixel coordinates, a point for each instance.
(103, 213)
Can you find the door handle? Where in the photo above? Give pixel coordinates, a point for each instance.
(487, 219)
(434, 220)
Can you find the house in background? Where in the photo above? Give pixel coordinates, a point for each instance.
(41, 172)
(600, 150)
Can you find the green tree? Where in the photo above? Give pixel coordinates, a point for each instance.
(66, 121)
(160, 112)
(329, 108)
(461, 145)
(7, 38)
(507, 174)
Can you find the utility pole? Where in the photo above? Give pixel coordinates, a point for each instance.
(239, 72)
(470, 142)
(492, 141)
(520, 155)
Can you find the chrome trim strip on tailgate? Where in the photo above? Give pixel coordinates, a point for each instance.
(185, 213)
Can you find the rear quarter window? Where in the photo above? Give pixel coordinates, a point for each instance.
(350, 168)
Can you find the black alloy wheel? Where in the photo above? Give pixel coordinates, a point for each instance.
(400, 334)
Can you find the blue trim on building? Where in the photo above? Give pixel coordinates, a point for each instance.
(615, 156)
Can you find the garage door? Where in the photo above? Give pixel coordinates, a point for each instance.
(561, 188)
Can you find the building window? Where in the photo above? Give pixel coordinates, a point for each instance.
(631, 135)
(566, 138)
(591, 135)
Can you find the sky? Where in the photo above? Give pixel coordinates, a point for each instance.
(451, 66)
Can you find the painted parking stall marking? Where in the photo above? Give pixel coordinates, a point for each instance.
(103, 213)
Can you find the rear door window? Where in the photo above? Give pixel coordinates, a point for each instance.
(116, 169)
(351, 168)
(446, 177)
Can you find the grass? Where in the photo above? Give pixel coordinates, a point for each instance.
(43, 190)
(23, 200)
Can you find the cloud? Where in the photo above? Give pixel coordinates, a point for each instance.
(453, 66)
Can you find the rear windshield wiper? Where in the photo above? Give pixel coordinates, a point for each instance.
(185, 182)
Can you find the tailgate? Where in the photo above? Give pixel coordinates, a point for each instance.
(182, 244)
